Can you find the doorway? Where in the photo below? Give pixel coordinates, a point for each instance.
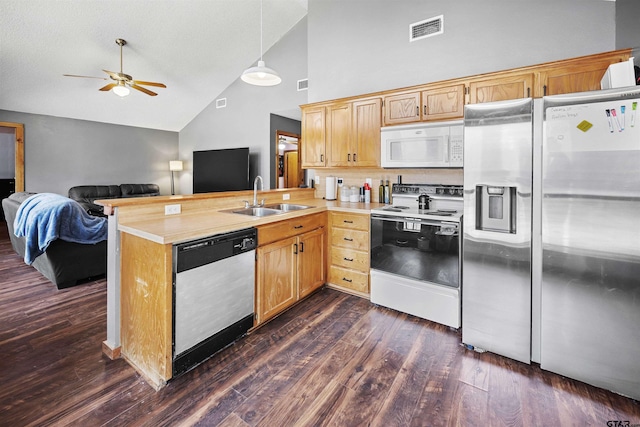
(12, 159)
(288, 167)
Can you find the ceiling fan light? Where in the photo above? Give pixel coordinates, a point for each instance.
(261, 75)
(121, 90)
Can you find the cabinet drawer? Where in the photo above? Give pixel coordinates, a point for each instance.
(292, 227)
(350, 239)
(349, 279)
(349, 220)
(349, 258)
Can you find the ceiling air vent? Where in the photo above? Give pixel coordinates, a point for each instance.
(221, 103)
(303, 84)
(427, 28)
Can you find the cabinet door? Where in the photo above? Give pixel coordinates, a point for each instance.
(575, 78)
(276, 286)
(501, 88)
(312, 146)
(443, 103)
(402, 108)
(367, 118)
(311, 261)
(339, 134)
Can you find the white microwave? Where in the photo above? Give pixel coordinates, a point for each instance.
(423, 145)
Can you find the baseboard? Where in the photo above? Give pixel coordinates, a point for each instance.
(111, 353)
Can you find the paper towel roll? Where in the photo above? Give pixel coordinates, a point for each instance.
(331, 188)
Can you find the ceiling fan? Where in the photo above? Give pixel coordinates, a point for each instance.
(122, 82)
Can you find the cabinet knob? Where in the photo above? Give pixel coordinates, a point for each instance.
(347, 280)
(298, 227)
(348, 259)
(417, 110)
(348, 239)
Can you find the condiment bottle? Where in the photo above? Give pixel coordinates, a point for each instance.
(381, 192)
(387, 193)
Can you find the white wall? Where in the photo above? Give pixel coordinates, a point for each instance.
(245, 122)
(362, 46)
(61, 153)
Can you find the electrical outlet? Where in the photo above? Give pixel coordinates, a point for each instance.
(172, 209)
(286, 196)
(316, 179)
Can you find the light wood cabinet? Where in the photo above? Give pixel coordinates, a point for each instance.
(443, 103)
(339, 122)
(436, 103)
(401, 108)
(349, 252)
(276, 278)
(291, 263)
(311, 261)
(350, 136)
(503, 88)
(576, 75)
(312, 146)
(367, 120)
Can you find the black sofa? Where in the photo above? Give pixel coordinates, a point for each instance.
(65, 263)
(86, 195)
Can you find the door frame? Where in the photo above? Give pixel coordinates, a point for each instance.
(19, 136)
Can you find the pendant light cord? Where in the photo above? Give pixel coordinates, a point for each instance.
(260, 30)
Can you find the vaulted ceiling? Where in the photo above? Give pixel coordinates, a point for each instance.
(196, 47)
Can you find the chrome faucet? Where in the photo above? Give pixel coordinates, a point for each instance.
(255, 191)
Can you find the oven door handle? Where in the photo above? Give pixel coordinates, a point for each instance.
(415, 220)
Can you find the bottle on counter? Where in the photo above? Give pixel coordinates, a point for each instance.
(381, 192)
(387, 192)
(367, 192)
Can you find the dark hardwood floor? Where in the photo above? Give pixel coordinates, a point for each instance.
(334, 359)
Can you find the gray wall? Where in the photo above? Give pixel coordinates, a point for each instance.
(362, 46)
(61, 153)
(628, 26)
(245, 122)
(7, 155)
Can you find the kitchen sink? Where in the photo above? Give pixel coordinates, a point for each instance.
(275, 209)
(256, 211)
(288, 207)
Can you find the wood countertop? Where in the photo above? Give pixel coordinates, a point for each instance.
(187, 226)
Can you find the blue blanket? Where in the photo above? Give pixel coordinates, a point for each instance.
(44, 217)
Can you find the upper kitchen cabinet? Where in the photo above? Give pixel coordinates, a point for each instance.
(342, 134)
(442, 103)
(437, 103)
(501, 87)
(401, 108)
(576, 75)
(313, 149)
(365, 140)
(339, 122)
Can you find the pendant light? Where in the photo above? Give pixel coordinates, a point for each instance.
(261, 75)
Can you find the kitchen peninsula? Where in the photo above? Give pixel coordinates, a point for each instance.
(140, 264)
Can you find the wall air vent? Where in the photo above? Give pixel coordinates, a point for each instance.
(221, 103)
(303, 84)
(427, 28)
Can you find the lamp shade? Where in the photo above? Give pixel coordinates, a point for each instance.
(175, 165)
(261, 75)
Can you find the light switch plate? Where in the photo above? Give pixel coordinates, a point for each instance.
(286, 196)
(172, 209)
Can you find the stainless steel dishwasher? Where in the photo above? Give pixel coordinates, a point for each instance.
(213, 293)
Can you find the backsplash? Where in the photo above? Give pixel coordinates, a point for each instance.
(357, 177)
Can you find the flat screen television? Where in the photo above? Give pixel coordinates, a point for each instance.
(221, 170)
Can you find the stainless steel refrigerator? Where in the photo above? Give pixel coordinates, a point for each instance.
(551, 245)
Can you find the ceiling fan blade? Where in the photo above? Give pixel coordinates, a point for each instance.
(113, 74)
(141, 89)
(85, 77)
(140, 82)
(108, 87)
